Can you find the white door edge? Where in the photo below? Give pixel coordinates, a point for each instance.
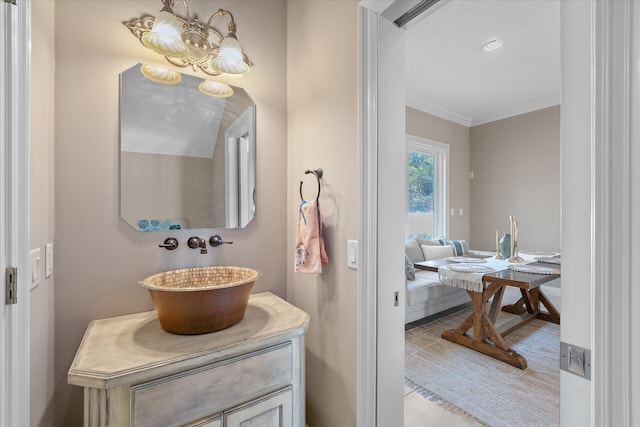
(14, 399)
(368, 202)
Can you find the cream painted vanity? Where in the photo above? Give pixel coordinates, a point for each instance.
(134, 373)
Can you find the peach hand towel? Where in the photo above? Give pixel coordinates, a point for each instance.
(310, 250)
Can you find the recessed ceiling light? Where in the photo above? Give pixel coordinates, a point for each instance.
(491, 45)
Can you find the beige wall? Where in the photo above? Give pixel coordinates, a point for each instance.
(322, 82)
(431, 127)
(516, 165)
(99, 258)
(42, 209)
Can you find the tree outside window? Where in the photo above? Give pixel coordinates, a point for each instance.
(421, 194)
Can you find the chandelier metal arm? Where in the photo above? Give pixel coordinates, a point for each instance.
(222, 12)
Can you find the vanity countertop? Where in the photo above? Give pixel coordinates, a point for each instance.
(133, 348)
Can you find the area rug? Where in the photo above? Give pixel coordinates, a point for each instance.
(478, 386)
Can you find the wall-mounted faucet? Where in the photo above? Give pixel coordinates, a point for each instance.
(198, 242)
(216, 241)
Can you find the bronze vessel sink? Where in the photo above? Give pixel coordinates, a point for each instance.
(193, 301)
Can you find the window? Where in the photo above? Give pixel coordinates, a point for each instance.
(428, 166)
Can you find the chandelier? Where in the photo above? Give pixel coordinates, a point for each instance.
(187, 42)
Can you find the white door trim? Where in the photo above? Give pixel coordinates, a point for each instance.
(14, 218)
(614, 205)
(380, 284)
(368, 226)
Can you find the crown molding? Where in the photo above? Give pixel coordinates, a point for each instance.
(443, 113)
(516, 111)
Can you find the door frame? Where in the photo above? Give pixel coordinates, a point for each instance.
(14, 211)
(614, 201)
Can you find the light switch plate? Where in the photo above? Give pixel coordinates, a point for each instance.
(48, 259)
(35, 255)
(352, 254)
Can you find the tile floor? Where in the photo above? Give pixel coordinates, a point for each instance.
(421, 412)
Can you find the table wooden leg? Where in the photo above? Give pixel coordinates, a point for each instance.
(486, 338)
(552, 315)
(523, 305)
(495, 304)
(530, 303)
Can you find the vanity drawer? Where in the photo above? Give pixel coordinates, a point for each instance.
(191, 395)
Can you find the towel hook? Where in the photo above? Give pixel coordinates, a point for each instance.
(318, 173)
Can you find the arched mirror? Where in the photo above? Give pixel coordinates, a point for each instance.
(187, 160)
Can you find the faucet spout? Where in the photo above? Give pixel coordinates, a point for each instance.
(198, 242)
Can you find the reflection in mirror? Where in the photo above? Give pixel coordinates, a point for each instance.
(187, 160)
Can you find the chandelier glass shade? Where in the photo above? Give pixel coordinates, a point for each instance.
(165, 37)
(187, 42)
(229, 59)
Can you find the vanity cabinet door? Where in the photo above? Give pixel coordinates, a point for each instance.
(190, 395)
(274, 410)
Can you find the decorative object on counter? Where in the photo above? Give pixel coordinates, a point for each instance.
(161, 224)
(514, 257)
(170, 243)
(310, 249)
(216, 241)
(497, 255)
(193, 301)
(505, 246)
(198, 243)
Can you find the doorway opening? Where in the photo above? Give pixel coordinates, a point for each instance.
(498, 113)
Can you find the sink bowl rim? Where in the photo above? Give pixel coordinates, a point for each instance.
(256, 274)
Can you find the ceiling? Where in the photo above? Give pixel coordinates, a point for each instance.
(449, 75)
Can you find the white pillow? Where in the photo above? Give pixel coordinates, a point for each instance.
(436, 252)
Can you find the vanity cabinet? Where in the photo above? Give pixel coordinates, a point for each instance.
(250, 374)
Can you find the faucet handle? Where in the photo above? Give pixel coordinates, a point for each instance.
(170, 243)
(216, 241)
(193, 242)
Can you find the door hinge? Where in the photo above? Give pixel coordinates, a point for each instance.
(13, 2)
(12, 285)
